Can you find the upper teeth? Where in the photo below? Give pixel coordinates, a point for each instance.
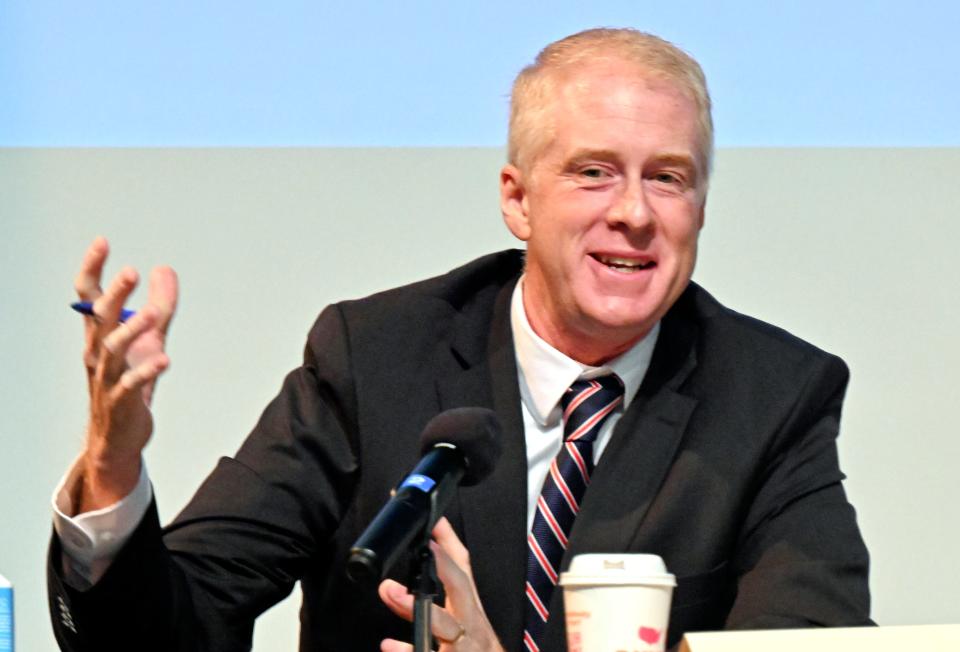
(620, 262)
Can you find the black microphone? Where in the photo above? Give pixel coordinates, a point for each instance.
(459, 446)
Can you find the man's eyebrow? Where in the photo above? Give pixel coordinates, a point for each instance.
(677, 160)
(585, 154)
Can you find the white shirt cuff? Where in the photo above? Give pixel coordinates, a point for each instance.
(92, 540)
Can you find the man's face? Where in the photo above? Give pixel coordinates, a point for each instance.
(610, 210)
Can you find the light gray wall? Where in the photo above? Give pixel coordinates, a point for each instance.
(851, 249)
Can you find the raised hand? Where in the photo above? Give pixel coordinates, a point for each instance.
(461, 624)
(123, 362)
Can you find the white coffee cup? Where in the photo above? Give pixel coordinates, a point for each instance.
(617, 603)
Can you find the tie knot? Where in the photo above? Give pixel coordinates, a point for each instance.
(587, 404)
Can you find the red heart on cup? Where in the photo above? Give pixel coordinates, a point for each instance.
(649, 635)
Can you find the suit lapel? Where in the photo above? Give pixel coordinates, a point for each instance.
(635, 462)
(641, 450)
(482, 372)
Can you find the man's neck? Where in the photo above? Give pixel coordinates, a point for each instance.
(589, 348)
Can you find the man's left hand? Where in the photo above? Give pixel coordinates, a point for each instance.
(461, 624)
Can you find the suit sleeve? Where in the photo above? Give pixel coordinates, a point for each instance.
(256, 523)
(800, 559)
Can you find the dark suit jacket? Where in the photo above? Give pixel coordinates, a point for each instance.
(725, 465)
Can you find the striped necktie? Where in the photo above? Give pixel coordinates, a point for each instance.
(586, 405)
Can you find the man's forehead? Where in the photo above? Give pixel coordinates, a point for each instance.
(614, 83)
(579, 81)
(630, 96)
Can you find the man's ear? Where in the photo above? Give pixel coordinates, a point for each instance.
(703, 212)
(513, 202)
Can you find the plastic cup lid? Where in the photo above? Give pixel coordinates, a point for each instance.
(594, 569)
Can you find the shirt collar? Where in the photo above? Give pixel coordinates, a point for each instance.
(545, 373)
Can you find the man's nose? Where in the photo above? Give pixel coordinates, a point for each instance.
(631, 208)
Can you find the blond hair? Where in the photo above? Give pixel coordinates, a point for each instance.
(534, 89)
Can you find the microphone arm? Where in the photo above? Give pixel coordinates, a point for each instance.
(424, 584)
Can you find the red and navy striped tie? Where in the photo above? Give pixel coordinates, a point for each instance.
(586, 405)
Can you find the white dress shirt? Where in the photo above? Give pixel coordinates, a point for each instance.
(544, 375)
(92, 540)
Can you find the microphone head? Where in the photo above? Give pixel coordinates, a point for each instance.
(473, 431)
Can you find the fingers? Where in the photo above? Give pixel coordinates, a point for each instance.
(131, 355)
(163, 292)
(395, 596)
(463, 599)
(87, 281)
(163, 286)
(145, 372)
(106, 310)
(118, 341)
(87, 285)
(113, 372)
(443, 625)
(390, 645)
(444, 535)
(108, 305)
(453, 566)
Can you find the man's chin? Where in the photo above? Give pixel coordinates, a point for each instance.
(607, 336)
(623, 315)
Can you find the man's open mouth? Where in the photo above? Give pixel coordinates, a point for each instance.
(625, 265)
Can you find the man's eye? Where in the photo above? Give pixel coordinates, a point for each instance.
(593, 173)
(666, 177)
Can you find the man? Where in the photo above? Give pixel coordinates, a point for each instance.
(714, 445)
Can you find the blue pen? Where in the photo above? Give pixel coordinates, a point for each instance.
(86, 308)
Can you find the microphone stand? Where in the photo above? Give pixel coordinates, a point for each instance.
(424, 586)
